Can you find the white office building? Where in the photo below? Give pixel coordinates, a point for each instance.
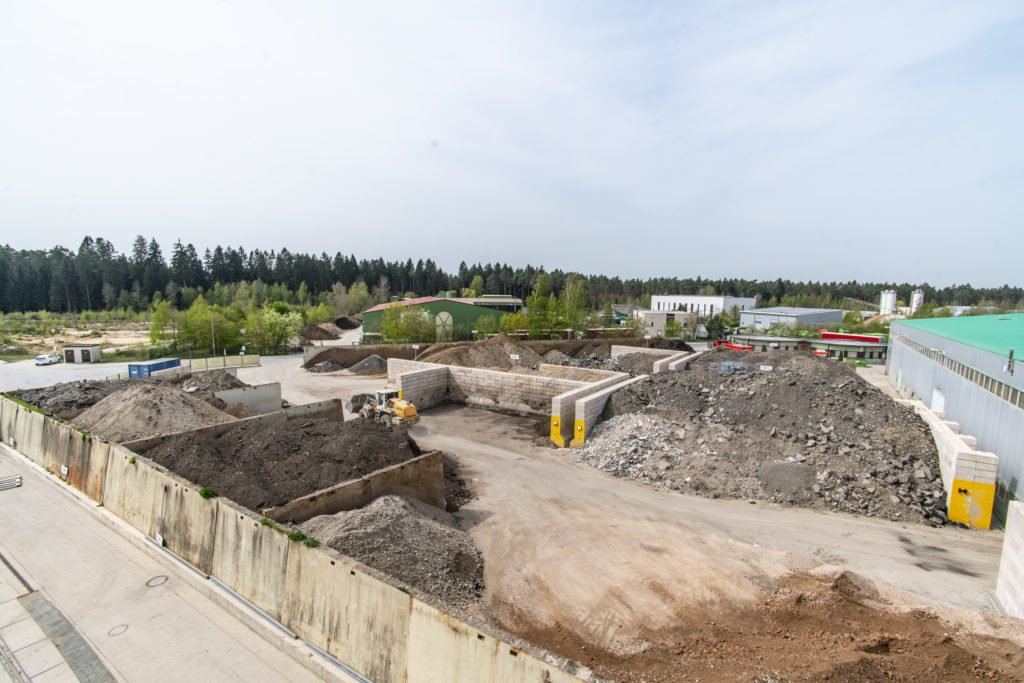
(703, 306)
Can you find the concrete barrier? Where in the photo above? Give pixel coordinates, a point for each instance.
(617, 350)
(379, 629)
(684, 363)
(250, 557)
(426, 388)
(29, 430)
(589, 409)
(187, 523)
(665, 363)
(357, 618)
(421, 478)
(261, 399)
(563, 407)
(968, 475)
(1010, 584)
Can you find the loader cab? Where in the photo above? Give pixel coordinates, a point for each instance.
(384, 396)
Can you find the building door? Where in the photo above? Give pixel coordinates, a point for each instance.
(69, 356)
(86, 357)
(938, 400)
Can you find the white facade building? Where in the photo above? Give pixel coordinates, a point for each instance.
(763, 318)
(703, 306)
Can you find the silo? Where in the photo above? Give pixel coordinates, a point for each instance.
(916, 299)
(887, 302)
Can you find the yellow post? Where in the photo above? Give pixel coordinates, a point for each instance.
(556, 432)
(971, 503)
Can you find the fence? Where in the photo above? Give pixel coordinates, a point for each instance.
(212, 363)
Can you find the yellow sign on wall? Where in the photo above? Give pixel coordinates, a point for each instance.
(971, 503)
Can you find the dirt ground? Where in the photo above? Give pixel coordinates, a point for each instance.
(646, 585)
(115, 335)
(807, 431)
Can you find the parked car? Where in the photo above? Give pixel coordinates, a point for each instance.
(47, 359)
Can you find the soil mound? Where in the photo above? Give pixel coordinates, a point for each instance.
(808, 431)
(494, 353)
(68, 399)
(145, 410)
(329, 365)
(556, 357)
(813, 626)
(239, 410)
(261, 466)
(370, 365)
(210, 380)
(348, 322)
(638, 363)
(318, 333)
(413, 542)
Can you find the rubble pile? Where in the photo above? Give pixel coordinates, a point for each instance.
(787, 428)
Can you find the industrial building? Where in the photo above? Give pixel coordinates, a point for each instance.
(966, 368)
(838, 349)
(703, 306)
(763, 318)
(655, 322)
(451, 315)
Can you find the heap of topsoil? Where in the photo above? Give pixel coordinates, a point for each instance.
(319, 332)
(147, 409)
(261, 466)
(494, 353)
(807, 432)
(67, 399)
(413, 542)
(210, 380)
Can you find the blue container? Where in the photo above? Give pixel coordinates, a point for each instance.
(149, 367)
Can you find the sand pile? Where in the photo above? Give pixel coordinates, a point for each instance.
(411, 541)
(494, 353)
(149, 409)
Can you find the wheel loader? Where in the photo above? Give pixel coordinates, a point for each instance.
(383, 406)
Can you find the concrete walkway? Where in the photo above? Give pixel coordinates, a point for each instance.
(141, 615)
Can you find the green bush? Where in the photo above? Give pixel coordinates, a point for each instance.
(207, 492)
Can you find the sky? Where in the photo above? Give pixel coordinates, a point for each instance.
(871, 141)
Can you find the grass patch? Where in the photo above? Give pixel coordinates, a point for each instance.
(296, 535)
(266, 521)
(207, 492)
(311, 543)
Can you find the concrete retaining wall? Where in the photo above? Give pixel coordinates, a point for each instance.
(968, 475)
(426, 388)
(563, 407)
(589, 409)
(666, 363)
(421, 478)
(622, 350)
(261, 399)
(1010, 585)
(381, 630)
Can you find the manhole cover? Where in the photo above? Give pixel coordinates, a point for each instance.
(157, 581)
(117, 630)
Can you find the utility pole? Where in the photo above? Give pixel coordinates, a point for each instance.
(213, 339)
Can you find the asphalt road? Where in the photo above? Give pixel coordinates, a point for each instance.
(25, 374)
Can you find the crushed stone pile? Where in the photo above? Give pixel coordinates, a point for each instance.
(261, 466)
(556, 357)
(494, 353)
(329, 365)
(319, 332)
(808, 432)
(147, 409)
(67, 399)
(373, 364)
(210, 380)
(413, 542)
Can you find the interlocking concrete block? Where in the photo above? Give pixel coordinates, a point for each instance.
(1010, 584)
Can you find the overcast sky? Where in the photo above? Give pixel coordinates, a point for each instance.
(877, 141)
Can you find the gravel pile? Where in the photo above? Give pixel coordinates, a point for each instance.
(329, 365)
(373, 364)
(808, 432)
(494, 353)
(411, 541)
(210, 380)
(148, 409)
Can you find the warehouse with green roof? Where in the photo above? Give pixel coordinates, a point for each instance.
(968, 368)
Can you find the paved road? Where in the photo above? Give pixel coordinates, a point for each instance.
(25, 374)
(126, 600)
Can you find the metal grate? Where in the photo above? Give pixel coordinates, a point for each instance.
(10, 481)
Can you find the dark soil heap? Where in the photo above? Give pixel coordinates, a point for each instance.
(261, 466)
(318, 333)
(371, 365)
(210, 380)
(808, 432)
(411, 541)
(67, 399)
(494, 353)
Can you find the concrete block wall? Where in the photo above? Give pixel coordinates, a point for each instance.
(426, 388)
(684, 362)
(1010, 584)
(385, 631)
(563, 407)
(666, 363)
(620, 350)
(589, 409)
(506, 391)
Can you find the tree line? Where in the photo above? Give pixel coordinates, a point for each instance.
(98, 277)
